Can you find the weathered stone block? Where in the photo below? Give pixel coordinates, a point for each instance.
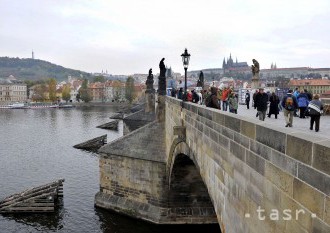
(321, 156)
(309, 197)
(319, 226)
(205, 113)
(218, 117)
(237, 150)
(223, 141)
(271, 192)
(314, 178)
(284, 162)
(256, 162)
(299, 148)
(228, 133)
(260, 149)
(270, 137)
(241, 139)
(281, 179)
(327, 210)
(233, 123)
(248, 129)
(298, 212)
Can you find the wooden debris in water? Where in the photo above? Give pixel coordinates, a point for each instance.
(40, 199)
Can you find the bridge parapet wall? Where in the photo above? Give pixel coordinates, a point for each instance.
(248, 165)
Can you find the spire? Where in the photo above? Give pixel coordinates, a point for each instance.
(32, 54)
(271, 66)
(236, 60)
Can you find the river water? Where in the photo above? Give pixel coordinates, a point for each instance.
(36, 148)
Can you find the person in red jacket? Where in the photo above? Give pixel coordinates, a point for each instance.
(189, 96)
(224, 98)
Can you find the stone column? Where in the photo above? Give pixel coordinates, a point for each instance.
(255, 81)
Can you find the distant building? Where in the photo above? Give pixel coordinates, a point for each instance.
(231, 66)
(315, 86)
(12, 90)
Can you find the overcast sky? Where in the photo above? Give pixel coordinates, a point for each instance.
(131, 36)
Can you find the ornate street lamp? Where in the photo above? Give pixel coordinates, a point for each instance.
(185, 60)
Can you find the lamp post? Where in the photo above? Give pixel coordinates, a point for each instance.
(185, 60)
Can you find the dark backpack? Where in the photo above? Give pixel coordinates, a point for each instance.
(289, 105)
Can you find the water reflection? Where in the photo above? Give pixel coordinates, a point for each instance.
(112, 222)
(39, 221)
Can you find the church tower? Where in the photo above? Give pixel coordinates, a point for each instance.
(32, 54)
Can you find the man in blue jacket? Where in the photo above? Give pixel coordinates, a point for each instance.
(289, 104)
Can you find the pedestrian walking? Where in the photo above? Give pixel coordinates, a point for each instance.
(247, 99)
(289, 104)
(261, 104)
(314, 108)
(273, 106)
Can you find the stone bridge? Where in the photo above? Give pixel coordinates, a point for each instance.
(196, 165)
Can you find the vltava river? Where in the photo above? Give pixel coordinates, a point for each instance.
(36, 148)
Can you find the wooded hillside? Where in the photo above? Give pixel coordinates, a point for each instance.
(34, 69)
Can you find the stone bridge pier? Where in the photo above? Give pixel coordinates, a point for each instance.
(201, 165)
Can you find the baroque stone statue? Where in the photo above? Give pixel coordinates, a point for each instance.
(255, 67)
(200, 82)
(150, 82)
(162, 78)
(162, 67)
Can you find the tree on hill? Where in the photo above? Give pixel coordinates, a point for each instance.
(116, 88)
(39, 93)
(129, 89)
(83, 92)
(100, 79)
(66, 93)
(52, 89)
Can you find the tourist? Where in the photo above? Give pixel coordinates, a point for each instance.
(289, 104)
(212, 101)
(189, 96)
(314, 108)
(247, 99)
(195, 97)
(261, 102)
(295, 94)
(180, 93)
(273, 107)
(200, 97)
(302, 103)
(224, 98)
(233, 104)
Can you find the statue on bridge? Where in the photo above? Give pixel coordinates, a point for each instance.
(200, 82)
(255, 71)
(162, 78)
(255, 67)
(162, 68)
(150, 82)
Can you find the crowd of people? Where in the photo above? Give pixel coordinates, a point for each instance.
(293, 104)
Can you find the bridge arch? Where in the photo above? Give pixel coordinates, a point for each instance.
(187, 191)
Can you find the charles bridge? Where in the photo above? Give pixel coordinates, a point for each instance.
(189, 164)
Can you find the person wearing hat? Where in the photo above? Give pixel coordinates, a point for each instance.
(261, 102)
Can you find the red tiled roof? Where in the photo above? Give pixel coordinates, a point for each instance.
(310, 82)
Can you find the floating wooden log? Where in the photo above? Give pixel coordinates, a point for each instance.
(40, 199)
(110, 125)
(92, 144)
(119, 116)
